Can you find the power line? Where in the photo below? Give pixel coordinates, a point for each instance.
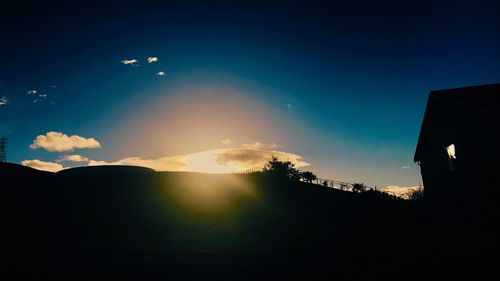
(3, 150)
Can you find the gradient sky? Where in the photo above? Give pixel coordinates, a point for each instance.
(343, 85)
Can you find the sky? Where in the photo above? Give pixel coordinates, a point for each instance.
(337, 87)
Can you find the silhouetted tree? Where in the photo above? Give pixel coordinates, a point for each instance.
(415, 194)
(325, 183)
(359, 187)
(308, 176)
(282, 169)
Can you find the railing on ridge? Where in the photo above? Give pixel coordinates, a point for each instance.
(340, 185)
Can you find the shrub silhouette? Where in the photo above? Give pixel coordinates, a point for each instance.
(415, 194)
(359, 187)
(282, 169)
(308, 176)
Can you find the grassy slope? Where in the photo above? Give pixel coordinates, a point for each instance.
(188, 220)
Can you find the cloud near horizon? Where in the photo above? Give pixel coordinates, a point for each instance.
(248, 158)
(210, 161)
(401, 191)
(173, 163)
(42, 165)
(59, 142)
(73, 158)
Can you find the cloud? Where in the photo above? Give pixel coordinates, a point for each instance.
(130, 61)
(245, 158)
(405, 167)
(152, 59)
(56, 141)
(173, 163)
(3, 100)
(400, 191)
(259, 145)
(210, 161)
(226, 141)
(40, 98)
(73, 158)
(161, 73)
(41, 165)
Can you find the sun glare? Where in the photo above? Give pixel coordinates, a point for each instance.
(206, 194)
(206, 162)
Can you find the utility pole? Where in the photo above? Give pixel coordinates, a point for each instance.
(3, 148)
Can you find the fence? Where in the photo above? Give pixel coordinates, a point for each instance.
(340, 185)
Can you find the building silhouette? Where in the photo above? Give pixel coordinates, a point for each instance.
(459, 145)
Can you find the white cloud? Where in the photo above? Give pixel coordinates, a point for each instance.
(130, 61)
(31, 92)
(56, 141)
(161, 73)
(152, 59)
(73, 158)
(405, 167)
(3, 100)
(259, 145)
(400, 191)
(40, 98)
(226, 141)
(41, 165)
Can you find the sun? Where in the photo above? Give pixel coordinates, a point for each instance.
(206, 162)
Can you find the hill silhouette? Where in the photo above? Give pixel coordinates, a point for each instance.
(133, 222)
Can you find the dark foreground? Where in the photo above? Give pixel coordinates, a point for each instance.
(121, 223)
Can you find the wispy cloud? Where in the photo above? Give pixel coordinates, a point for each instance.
(226, 141)
(259, 145)
(405, 167)
(152, 59)
(3, 100)
(40, 98)
(130, 62)
(56, 141)
(173, 163)
(161, 73)
(41, 165)
(73, 158)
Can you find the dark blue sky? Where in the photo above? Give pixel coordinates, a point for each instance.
(345, 82)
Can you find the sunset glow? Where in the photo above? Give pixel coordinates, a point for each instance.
(177, 87)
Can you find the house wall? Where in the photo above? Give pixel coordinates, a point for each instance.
(471, 181)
